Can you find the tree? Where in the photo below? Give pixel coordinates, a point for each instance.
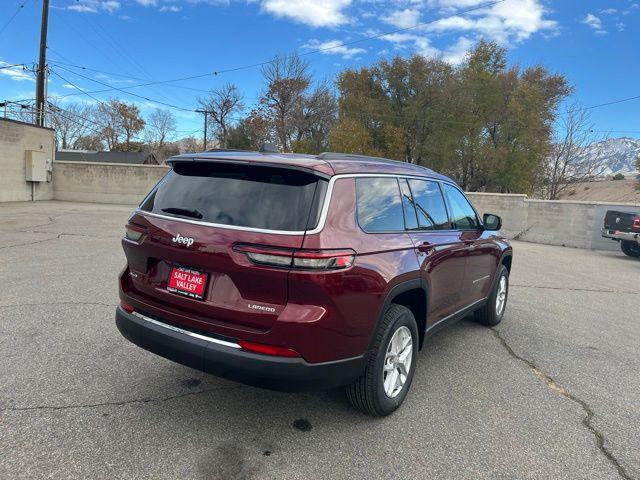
(221, 104)
(251, 132)
(89, 142)
(486, 125)
(568, 164)
(350, 136)
(70, 123)
(120, 121)
(161, 125)
(190, 145)
(313, 120)
(287, 81)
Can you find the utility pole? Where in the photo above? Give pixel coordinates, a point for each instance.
(206, 114)
(42, 66)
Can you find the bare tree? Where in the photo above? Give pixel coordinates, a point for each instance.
(287, 81)
(316, 115)
(161, 124)
(70, 123)
(569, 162)
(221, 104)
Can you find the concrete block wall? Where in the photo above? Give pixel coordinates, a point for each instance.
(104, 182)
(552, 222)
(561, 222)
(16, 139)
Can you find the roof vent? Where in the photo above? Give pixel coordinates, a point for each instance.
(268, 147)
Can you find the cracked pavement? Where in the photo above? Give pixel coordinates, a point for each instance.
(552, 392)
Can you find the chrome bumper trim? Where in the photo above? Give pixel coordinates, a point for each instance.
(187, 332)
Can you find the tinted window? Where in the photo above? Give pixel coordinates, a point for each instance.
(410, 220)
(379, 205)
(239, 195)
(432, 213)
(462, 213)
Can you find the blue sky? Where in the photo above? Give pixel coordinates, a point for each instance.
(590, 41)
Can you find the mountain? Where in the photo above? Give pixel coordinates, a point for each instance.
(619, 154)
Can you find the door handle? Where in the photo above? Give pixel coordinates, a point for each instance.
(425, 247)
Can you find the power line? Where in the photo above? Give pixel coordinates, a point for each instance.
(13, 65)
(18, 10)
(55, 62)
(119, 89)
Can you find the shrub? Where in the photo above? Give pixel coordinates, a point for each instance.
(618, 176)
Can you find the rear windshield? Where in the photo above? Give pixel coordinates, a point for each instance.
(239, 195)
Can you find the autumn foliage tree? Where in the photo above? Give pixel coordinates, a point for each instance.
(485, 124)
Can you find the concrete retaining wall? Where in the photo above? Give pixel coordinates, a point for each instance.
(557, 222)
(553, 222)
(104, 182)
(16, 140)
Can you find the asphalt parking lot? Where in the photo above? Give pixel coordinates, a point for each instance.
(553, 392)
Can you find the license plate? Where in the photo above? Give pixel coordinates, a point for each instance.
(188, 282)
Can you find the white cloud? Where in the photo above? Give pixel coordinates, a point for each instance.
(111, 6)
(509, 21)
(83, 8)
(334, 47)
(620, 26)
(402, 18)
(93, 6)
(421, 44)
(316, 13)
(147, 3)
(609, 11)
(15, 73)
(457, 52)
(170, 8)
(594, 22)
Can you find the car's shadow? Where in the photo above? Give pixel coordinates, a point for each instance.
(244, 423)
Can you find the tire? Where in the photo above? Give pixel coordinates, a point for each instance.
(629, 248)
(491, 312)
(369, 393)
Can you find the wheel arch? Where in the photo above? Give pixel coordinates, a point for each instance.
(411, 294)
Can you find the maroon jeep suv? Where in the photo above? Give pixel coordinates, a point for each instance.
(295, 271)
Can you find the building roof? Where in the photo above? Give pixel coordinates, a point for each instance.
(328, 163)
(132, 158)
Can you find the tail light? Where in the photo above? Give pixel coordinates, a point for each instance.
(267, 349)
(298, 259)
(636, 222)
(126, 307)
(133, 232)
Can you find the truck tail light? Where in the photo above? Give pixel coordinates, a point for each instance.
(298, 259)
(636, 222)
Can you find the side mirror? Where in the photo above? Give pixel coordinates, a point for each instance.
(491, 222)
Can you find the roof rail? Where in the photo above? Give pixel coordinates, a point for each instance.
(225, 150)
(343, 156)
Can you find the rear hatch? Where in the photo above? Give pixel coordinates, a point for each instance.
(621, 221)
(186, 244)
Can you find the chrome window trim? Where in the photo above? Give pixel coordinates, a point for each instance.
(186, 332)
(323, 214)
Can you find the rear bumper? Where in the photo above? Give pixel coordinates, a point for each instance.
(224, 358)
(613, 235)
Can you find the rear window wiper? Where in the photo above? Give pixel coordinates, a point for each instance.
(183, 212)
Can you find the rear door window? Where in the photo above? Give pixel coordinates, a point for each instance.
(239, 195)
(462, 213)
(379, 204)
(430, 206)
